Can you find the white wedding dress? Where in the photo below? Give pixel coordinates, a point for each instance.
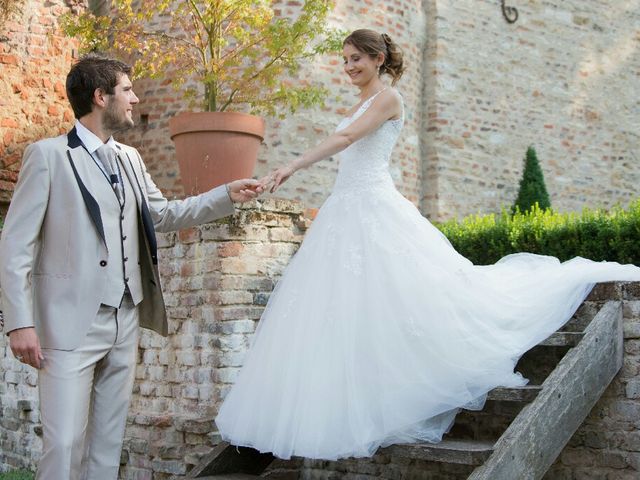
(379, 331)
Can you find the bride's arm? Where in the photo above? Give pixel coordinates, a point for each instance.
(385, 107)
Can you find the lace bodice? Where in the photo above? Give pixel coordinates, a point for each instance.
(364, 165)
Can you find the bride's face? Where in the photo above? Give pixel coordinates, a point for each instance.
(360, 67)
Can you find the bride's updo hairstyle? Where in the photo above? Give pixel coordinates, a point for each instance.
(372, 43)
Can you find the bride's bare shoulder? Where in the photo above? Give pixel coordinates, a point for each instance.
(391, 100)
(393, 93)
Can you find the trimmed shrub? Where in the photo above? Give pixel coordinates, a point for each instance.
(532, 187)
(594, 234)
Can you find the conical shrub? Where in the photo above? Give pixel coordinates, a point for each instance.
(532, 187)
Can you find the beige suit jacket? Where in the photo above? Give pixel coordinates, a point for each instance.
(52, 249)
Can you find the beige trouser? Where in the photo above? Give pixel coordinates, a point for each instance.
(84, 398)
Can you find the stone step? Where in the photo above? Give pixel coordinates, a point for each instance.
(465, 452)
(582, 318)
(563, 339)
(526, 393)
(531, 444)
(226, 460)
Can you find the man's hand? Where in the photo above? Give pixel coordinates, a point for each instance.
(244, 190)
(25, 346)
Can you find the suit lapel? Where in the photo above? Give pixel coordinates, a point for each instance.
(73, 140)
(89, 179)
(90, 202)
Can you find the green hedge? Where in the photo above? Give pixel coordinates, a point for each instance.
(595, 234)
(17, 475)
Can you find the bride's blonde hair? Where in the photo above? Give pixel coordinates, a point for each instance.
(372, 43)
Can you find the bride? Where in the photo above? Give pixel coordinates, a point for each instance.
(379, 331)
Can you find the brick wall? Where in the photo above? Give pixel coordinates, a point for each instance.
(478, 91)
(34, 60)
(565, 78)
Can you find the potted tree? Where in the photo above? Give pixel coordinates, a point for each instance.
(239, 56)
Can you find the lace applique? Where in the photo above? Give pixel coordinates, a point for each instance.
(402, 252)
(463, 275)
(372, 226)
(292, 299)
(353, 262)
(331, 238)
(413, 329)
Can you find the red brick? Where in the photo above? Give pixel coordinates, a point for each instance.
(6, 186)
(189, 269)
(12, 161)
(189, 235)
(9, 122)
(60, 90)
(9, 59)
(8, 137)
(311, 213)
(230, 249)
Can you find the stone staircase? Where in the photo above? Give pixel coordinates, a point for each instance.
(518, 435)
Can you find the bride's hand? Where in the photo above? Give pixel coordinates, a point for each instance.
(278, 177)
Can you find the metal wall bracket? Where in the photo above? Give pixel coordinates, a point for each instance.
(510, 13)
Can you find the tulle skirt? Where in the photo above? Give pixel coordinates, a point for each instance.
(379, 332)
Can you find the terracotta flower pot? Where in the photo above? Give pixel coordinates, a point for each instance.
(215, 147)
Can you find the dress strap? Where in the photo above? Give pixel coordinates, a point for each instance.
(372, 97)
(365, 104)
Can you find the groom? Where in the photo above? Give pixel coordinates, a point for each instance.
(78, 269)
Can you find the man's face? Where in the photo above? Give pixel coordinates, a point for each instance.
(118, 114)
